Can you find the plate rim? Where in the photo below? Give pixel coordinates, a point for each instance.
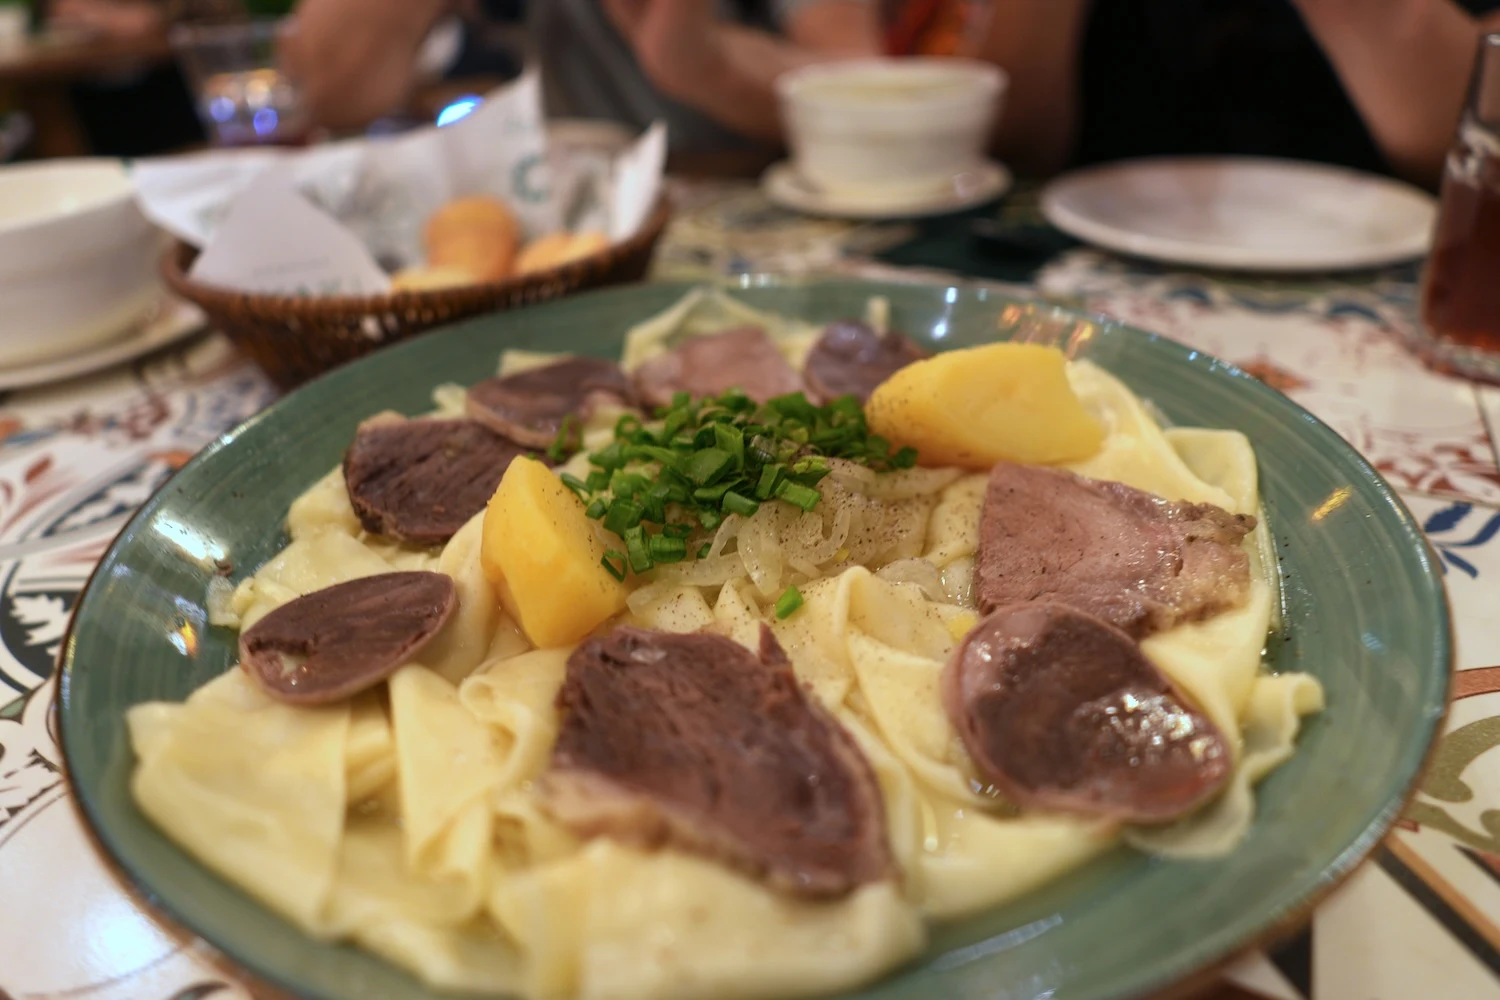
(780, 186)
(1166, 249)
(1177, 982)
(174, 320)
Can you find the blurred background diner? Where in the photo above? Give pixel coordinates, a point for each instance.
(1371, 84)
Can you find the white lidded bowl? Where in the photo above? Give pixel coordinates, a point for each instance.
(77, 258)
(898, 129)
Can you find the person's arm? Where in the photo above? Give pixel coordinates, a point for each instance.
(1037, 44)
(1405, 64)
(728, 71)
(355, 60)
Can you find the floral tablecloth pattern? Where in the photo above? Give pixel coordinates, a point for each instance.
(1422, 920)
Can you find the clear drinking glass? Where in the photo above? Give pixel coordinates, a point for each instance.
(243, 96)
(1460, 328)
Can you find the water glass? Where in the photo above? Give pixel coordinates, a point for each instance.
(243, 95)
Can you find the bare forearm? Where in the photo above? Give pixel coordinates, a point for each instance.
(734, 78)
(1405, 64)
(1037, 44)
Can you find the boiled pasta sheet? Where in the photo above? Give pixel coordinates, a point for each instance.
(253, 788)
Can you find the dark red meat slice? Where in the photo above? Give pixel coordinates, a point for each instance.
(530, 406)
(850, 359)
(743, 358)
(338, 641)
(693, 740)
(1062, 711)
(1126, 556)
(421, 480)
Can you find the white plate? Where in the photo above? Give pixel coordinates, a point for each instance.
(169, 322)
(785, 187)
(1243, 213)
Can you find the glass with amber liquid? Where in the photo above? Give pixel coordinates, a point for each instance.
(1460, 328)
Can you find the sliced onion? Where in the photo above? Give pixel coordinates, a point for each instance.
(918, 571)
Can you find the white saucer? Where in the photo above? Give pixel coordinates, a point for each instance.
(787, 188)
(1243, 213)
(171, 321)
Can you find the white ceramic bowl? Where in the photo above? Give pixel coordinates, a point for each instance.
(899, 129)
(77, 258)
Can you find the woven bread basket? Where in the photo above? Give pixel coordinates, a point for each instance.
(296, 338)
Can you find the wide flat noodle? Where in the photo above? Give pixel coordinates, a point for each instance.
(447, 767)
(252, 787)
(1135, 451)
(464, 642)
(515, 699)
(611, 922)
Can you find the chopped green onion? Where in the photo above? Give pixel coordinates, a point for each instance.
(789, 601)
(665, 549)
(614, 562)
(798, 495)
(720, 455)
(711, 494)
(623, 516)
(562, 444)
(738, 503)
(638, 550)
(770, 476)
(708, 465)
(610, 457)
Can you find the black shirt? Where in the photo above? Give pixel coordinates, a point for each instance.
(1176, 77)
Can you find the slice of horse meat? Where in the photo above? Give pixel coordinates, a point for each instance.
(1126, 556)
(743, 358)
(1062, 711)
(850, 359)
(694, 741)
(336, 642)
(421, 480)
(530, 406)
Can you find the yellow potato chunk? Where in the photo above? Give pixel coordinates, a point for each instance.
(976, 407)
(541, 553)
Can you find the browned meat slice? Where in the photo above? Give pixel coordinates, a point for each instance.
(1062, 711)
(529, 407)
(743, 358)
(1126, 556)
(695, 741)
(338, 641)
(421, 480)
(850, 359)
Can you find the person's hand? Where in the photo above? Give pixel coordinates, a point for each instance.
(355, 60)
(675, 41)
(117, 20)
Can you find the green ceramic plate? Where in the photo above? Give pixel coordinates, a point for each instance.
(1364, 611)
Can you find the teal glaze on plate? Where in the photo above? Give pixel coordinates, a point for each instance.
(1363, 604)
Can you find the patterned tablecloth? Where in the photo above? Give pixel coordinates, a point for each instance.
(1422, 920)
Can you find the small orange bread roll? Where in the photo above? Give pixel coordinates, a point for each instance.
(478, 235)
(557, 249)
(427, 279)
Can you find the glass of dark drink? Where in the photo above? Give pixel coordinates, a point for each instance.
(1460, 328)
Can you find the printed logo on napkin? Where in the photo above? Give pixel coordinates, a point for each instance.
(335, 219)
